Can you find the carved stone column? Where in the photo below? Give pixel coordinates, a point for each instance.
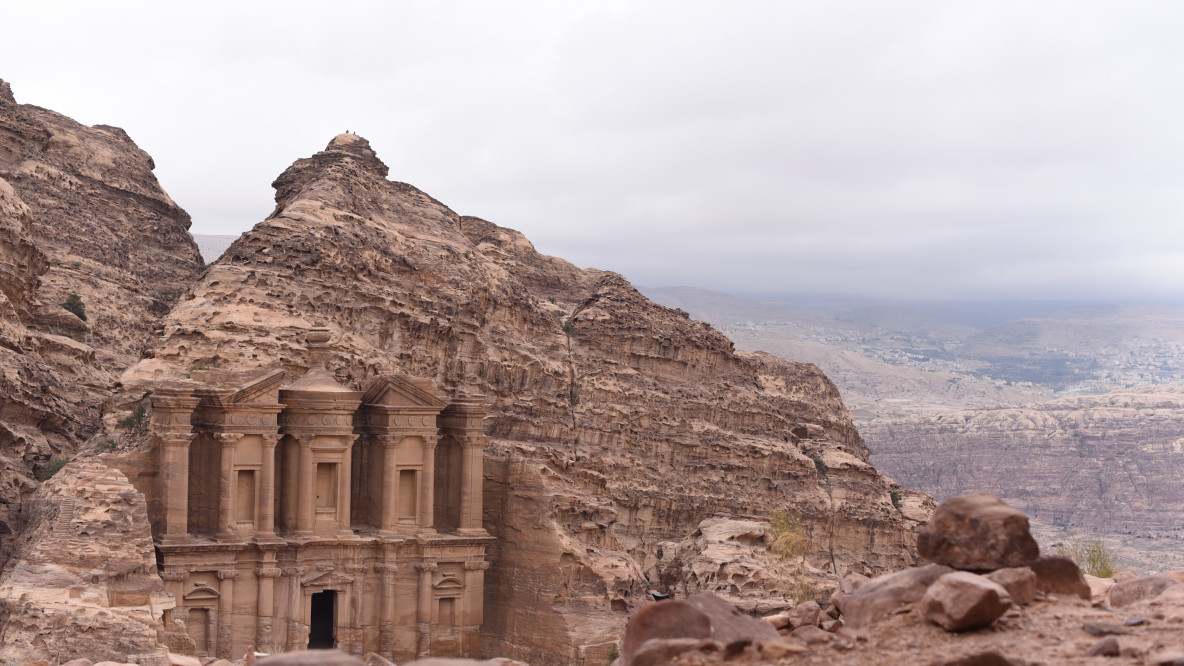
(390, 483)
(296, 626)
(356, 621)
(306, 493)
(266, 510)
(427, 485)
(226, 488)
(175, 490)
(472, 484)
(172, 414)
(344, 478)
(225, 611)
(424, 607)
(174, 584)
(474, 590)
(265, 607)
(386, 618)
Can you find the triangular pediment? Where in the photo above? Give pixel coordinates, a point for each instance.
(263, 390)
(403, 391)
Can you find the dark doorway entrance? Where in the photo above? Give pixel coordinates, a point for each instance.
(320, 621)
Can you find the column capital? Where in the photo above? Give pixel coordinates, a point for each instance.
(473, 441)
(294, 571)
(426, 567)
(356, 568)
(228, 438)
(430, 441)
(386, 567)
(174, 576)
(227, 574)
(271, 440)
(177, 439)
(267, 572)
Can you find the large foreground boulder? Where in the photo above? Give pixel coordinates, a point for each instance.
(881, 597)
(978, 533)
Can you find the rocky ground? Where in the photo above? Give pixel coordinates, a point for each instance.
(1027, 610)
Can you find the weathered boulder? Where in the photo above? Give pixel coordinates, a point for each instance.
(657, 651)
(1099, 589)
(884, 595)
(728, 624)
(807, 613)
(1059, 575)
(848, 585)
(978, 533)
(1020, 583)
(664, 620)
(1134, 590)
(961, 600)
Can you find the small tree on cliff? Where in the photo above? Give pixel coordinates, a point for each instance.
(74, 304)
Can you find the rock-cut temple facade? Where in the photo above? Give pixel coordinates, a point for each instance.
(311, 515)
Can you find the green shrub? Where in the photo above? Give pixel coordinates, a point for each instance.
(198, 366)
(895, 494)
(136, 420)
(1091, 555)
(50, 468)
(569, 327)
(105, 445)
(820, 465)
(75, 306)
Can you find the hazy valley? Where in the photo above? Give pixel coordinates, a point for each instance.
(1069, 412)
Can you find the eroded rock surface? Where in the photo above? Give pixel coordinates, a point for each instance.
(618, 425)
(82, 581)
(80, 213)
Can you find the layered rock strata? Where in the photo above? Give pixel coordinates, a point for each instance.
(618, 425)
(80, 213)
(1105, 463)
(82, 581)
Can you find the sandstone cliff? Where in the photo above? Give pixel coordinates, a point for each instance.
(618, 425)
(82, 581)
(80, 213)
(1106, 463)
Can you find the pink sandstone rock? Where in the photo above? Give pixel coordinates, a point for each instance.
(1020, 583)
(961, 600)
(977, 532)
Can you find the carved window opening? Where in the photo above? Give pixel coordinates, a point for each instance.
(408, 494)
(326, 485)
(446, 617)
(244, 498)
(198, 625)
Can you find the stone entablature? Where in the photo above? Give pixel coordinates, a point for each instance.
(312, 514)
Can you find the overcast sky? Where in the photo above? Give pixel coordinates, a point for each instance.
(906, 149)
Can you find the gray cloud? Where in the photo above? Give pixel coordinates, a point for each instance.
(911, 149)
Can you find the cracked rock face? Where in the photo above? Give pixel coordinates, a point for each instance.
(80, 213)
(618, 425)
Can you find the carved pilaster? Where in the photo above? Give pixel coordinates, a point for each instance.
(225, 610)
(226, 486)
(424, 607)
(265, 607)
(296, 625)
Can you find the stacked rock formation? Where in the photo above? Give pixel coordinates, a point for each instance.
(618, 425)
(82, 214)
